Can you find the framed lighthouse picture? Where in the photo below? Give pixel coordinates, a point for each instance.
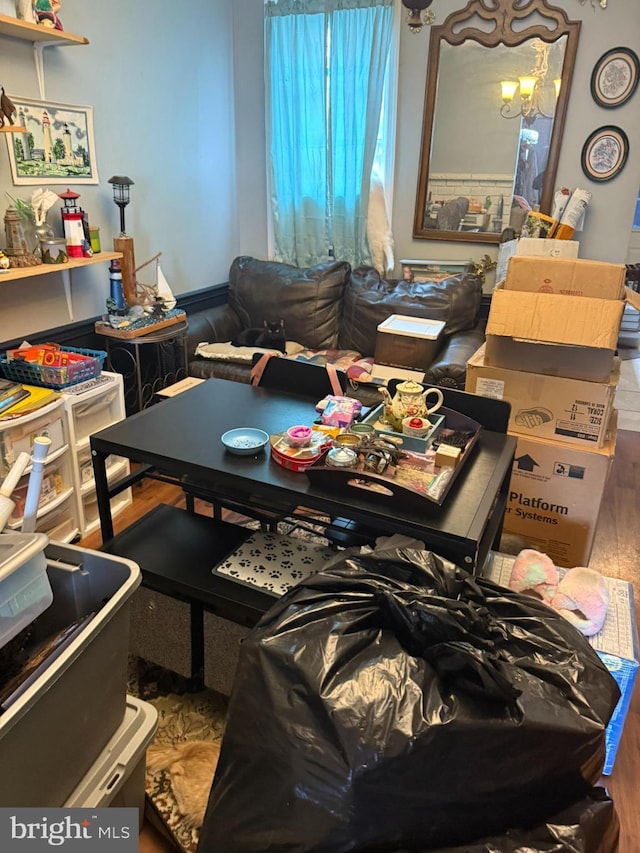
(57, 145)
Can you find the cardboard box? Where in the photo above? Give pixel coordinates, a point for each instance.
(552, 407)
(616, 644)
(555, 494)
(565, 276)
(557, 335)
(403, 341)
(544, 247)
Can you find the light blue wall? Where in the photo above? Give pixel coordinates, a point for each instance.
(608, 223)
(606, 235)
(160, 80)
(178, 97)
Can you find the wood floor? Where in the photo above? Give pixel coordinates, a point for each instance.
(616, 553)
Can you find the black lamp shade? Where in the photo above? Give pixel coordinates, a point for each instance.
(121, 184)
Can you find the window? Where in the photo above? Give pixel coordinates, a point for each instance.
(328, 89)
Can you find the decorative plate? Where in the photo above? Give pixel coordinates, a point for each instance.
(604, 153)
(244, 441)
(615, 77)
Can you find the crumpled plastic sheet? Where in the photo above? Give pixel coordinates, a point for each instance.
(392, 701)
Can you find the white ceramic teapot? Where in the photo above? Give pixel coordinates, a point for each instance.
(410, 401)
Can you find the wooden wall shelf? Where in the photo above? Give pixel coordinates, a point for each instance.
(13, 128)
(35, 33)
(64, 269)
(44, 269)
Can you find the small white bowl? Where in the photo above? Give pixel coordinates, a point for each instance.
(245, 441)
(416, 431)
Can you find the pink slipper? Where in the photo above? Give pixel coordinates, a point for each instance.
(583, 598)
(534, 574)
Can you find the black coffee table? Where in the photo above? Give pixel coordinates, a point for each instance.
(180, 437)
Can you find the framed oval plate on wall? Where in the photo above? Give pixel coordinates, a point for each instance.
(615, 77)
(604, 153)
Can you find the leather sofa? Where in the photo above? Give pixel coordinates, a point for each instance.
(332, 307)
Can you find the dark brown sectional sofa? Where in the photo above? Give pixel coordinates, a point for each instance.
(331, 306)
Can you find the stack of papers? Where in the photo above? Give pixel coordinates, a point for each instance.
(10, 394)
(27, 399)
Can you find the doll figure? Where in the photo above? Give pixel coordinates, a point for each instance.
(47, 13)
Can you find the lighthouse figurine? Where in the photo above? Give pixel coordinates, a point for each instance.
(73, 222)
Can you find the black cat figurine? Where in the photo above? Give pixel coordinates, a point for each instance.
(272, 336)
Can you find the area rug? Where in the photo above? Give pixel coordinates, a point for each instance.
(185, 714)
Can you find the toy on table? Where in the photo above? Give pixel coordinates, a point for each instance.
(338, 411)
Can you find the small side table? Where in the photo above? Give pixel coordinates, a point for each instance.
(148, 362)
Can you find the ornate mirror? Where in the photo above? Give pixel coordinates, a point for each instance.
(498, 84)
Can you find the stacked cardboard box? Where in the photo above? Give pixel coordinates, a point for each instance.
(550, 351)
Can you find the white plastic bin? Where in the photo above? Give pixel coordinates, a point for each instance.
(25, 591)
(116, 778)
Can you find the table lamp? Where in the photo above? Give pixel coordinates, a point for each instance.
(121, 192)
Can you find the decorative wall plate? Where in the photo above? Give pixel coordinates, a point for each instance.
(615, 77)
(604, 153)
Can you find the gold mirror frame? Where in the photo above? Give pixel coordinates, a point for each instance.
(503, 14)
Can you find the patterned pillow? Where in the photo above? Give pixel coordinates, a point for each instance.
(356, 367)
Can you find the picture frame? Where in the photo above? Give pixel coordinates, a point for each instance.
(58, 146)
(615, 77)
(605, 153)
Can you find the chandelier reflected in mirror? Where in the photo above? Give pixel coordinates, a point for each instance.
(537, 94)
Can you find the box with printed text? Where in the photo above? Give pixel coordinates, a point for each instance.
(555, 493)
(547, 248)
(553, 407)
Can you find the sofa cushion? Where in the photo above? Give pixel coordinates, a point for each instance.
(308, 300)
(369, 300)
(240, 355)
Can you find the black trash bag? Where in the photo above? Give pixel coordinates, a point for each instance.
(589, 826)
(393, 701)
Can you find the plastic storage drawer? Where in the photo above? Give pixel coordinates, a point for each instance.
(96, 412)
(18, 435)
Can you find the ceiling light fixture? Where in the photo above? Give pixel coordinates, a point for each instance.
(533, 89)
(418, 14)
